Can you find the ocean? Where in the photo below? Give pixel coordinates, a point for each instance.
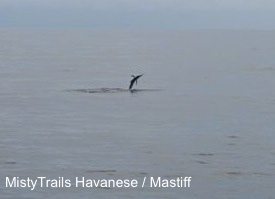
(204, 108)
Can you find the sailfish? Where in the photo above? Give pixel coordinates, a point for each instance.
(134, 80)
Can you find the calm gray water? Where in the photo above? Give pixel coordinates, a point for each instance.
(205, 109)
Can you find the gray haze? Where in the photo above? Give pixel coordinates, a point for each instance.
(255, 14)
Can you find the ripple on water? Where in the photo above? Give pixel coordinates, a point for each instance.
(110, 90)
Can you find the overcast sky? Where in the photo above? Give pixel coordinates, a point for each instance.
(178, 14)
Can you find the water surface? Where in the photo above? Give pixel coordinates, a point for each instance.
(208, 110)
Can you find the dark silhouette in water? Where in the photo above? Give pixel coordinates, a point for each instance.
(133, 81)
